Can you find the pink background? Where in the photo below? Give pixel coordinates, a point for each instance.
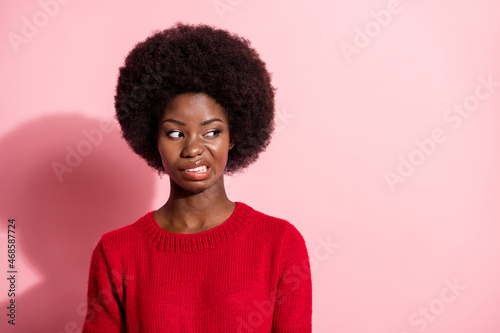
(367, 91)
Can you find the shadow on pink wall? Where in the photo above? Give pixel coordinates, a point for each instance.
(66, 179)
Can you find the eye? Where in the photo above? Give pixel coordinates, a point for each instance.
(214, 133)
(173, 136)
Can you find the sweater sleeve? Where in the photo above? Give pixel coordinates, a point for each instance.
(104, 310)
(293, 306)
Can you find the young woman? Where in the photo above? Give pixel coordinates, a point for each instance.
(196, 102)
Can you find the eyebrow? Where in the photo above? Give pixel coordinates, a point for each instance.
(203, 123)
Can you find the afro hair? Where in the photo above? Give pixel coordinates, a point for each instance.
(191, 59)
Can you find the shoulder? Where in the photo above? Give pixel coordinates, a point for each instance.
(283, 237)
(122, 237)
(280, 227)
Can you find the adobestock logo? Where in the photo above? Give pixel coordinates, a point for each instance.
(454, 116)
(428, 314)
(295, 274)
(372, 29)
(74, 155)
(98, 303)
(88, 309)
(30, 27)
(282, 117)
(223, 6)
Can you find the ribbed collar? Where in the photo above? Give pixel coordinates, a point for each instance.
(186, 243)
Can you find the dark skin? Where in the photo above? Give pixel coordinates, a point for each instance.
(194, 127)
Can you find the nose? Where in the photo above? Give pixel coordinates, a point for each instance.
(192, 147)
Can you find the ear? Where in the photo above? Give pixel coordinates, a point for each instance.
(231, 142)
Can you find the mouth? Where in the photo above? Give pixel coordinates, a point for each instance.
(201, 169)
(196, 174)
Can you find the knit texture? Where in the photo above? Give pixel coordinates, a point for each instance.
(248, 274)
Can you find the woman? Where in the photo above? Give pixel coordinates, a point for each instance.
(196, 102)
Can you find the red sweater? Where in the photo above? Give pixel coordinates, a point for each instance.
(248, 274)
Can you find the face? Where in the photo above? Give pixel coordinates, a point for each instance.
(193, 141)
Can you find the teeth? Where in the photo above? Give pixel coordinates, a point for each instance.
(199, 169)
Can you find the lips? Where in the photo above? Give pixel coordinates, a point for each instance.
(198, 171)
(194, 165)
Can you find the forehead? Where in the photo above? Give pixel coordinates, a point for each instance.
(195, 106)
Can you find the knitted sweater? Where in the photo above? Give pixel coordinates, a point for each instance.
(248, 274)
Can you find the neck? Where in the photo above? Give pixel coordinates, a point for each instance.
(187, 211)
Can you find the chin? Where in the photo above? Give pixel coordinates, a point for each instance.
(195, 186)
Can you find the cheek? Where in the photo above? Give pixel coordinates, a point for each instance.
(166, 158)
(222, 154)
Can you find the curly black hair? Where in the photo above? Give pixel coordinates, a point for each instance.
(190, 59)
